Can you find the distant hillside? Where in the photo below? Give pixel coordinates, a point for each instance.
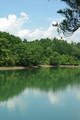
(15, 52)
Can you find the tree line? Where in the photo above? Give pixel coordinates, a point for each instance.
(17, 52)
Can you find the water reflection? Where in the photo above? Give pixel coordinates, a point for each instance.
(38, 94)
(16, 102)
(15, 82)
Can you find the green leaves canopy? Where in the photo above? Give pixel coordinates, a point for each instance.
(15, 52)
(72, 17)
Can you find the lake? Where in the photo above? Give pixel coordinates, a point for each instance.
(40, 94)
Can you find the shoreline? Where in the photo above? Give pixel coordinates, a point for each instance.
(39, 66)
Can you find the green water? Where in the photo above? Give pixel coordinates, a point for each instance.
(40, 94)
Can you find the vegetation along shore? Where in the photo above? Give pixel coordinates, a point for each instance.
(39, 53)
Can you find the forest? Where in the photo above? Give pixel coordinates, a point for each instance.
(17, 52)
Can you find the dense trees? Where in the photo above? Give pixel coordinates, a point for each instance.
(15, 52)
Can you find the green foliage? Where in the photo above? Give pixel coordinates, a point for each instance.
(72, 17)
(15, 52)
(55, 58)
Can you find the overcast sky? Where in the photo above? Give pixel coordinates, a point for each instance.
(32, 19)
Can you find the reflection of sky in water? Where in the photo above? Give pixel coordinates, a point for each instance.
(34, 104)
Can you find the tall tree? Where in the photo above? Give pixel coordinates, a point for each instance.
(72, 17)
(71, 23)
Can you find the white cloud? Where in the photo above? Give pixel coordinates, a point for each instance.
(51, 32)
(76, 36)
(14, 25)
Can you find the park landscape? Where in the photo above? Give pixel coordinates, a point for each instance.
(40, 70)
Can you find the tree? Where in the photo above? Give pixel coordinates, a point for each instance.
(71, 23)
(72, 17)
(55, 59)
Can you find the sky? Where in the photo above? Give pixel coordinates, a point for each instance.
(32, 19)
